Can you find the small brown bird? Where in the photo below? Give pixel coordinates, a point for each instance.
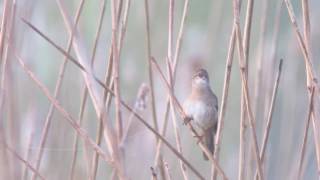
(202, 107)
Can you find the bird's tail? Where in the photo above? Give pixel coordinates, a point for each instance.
(208, 139)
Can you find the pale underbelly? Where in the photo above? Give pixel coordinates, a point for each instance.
(204, 116)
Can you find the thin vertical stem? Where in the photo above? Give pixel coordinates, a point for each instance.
(313, 79)
(246, 46)
(28, 153)
(116, 69)
(224, 101)
(151, 81)
(305, 136)
(149, 55)
(48, 120)
(16, 155)
(5, 17)
(245, 85)
(176, 58)
(85, 95)
(270, 115)
(108, 80)
(169, 65)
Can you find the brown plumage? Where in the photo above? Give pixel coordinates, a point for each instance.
(202, 106)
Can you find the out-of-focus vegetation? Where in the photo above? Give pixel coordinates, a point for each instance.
(207, 32)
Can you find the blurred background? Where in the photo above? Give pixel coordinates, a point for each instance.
(207, 31)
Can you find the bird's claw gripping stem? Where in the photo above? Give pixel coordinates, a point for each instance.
(186, 120)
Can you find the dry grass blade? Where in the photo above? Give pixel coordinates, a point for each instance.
(311, 75)
(175, 62)
(116, 69)
(62, 70)
(170, 74)
(305, 136)
(149, 53)
(307, 40)
(189, 165)
(5, 17)
(67, 116)
(15, 154)
(270, 114)
(84, 100)
(245, 85)
(226, 84)
(108, 79)
(243, 115)
(127, 107)
(81, 53)
(90, 81)
(73, 60)
(187, 120)
(28, 154)
(303, 47)
(151, 84)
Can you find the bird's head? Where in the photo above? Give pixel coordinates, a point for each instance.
(200, 79)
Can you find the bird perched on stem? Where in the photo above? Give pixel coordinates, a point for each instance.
(202, 107)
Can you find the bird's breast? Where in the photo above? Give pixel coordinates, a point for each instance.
(202, 114)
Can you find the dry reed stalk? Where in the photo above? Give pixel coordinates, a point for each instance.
(175, 126)
(169, 65)
(58, 85)
(273, 51)
(108, 79)
(302, 44)
(149, 55)
(224, 100)
(259, 87)
(73, 60)
(243, 70)
(307, 40)
(5, 17)
(189, 165)
(7, 105)
(116, 69)
(226, 84)
(29, 150)
(90, 79)
(84, 96)
(305, 136)
(305, 44)
(270, 115)
(64, 113)
(176, 58)
(16, 155)
(151, 84)
(306, 30)
(186, 120)
(95, 158)
(243, 117)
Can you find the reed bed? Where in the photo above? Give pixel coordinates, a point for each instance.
(94, 89)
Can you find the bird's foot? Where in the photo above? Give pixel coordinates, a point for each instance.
(186, 120)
